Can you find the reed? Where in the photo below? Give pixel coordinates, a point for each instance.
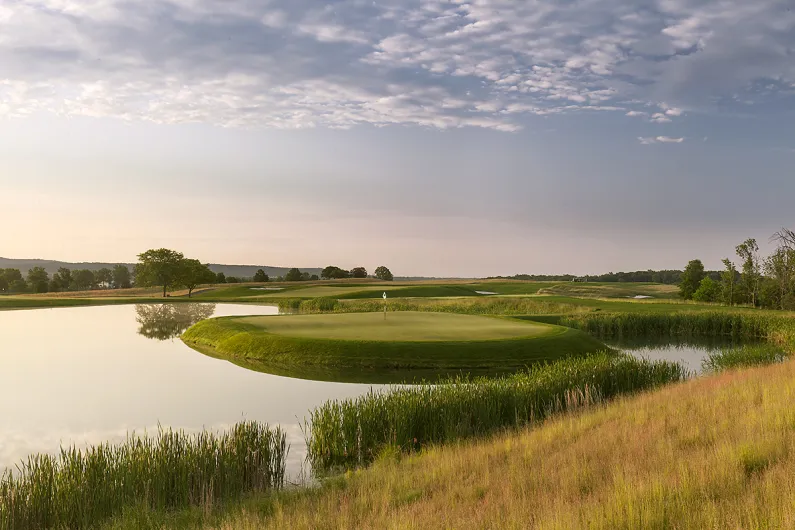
(353, 432)
(743, 356)
(469, 306)
(684, 324)
(81, 488)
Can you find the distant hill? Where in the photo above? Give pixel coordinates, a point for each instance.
(51, 266)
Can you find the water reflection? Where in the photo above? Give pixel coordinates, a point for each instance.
(168, 321)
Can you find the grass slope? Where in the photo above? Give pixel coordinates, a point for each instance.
(715, 452)
(244, 339)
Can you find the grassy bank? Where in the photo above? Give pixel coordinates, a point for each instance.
(355, 431)
(80, 488)
(245, 340)
(466, 306)
(715, 452)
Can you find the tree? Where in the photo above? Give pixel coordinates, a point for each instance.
(194, 273)
(708, 291)
(168, 321)
(260, 276)
(359, 272)
(121, 277)
(83, 279)
(294, 275)
(728, 278)
(220, 278)
(38, 279)
(232, 279)
(334, 273)
(382, 273)
(779, 267)
(3, 283)
(104, 277)
(158, 267)
(53, 286)
(691, 279)
(314, 277)
(63, 278)
(751, 275)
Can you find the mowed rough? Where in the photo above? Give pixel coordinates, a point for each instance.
(403, 326)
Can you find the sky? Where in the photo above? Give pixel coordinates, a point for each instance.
(439, 138)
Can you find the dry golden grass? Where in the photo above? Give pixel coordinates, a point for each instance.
(716, 452)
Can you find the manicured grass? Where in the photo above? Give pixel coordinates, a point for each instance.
(401, 326)
(714, 452)
(419, 291)
(239, 340)
(612, 290)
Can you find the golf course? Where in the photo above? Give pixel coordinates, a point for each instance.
(394, 341)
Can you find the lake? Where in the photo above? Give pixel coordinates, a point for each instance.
(91, 374)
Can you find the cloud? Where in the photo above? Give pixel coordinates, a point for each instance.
(434, 63)
(659, 140)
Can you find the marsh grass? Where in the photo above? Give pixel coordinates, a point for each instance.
(80, 488)
(471, 306)
(743, 356)
(353, 432)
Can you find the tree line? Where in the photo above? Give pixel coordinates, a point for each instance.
(38, 280)
(756, 281)
(162, 267)
(668, 277)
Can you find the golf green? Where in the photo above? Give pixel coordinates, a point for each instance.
(400, 326)
(306, 345)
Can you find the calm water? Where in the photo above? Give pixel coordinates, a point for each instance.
(91, 374)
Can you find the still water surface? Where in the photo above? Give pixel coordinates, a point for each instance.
(92, 374)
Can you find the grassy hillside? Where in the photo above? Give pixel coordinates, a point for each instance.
(716, 452)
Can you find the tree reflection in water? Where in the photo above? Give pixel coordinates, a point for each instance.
(168, 321)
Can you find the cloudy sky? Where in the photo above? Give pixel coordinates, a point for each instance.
(436, 137)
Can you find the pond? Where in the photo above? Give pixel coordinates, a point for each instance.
(690, 352)
(92, 374)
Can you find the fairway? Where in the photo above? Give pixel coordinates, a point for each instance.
(402, 326)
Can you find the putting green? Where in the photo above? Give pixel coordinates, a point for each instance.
(362, 347)
(400, 326)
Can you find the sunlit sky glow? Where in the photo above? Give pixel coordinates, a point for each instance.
(437, 137)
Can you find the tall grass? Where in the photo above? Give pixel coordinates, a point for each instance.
(354, 431)
(469, 306)
(80, 488)
(743, 356)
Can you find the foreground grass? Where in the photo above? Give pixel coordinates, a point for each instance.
(354, 431)
(79, 488)
(715, 452)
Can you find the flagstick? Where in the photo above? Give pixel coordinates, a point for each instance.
(385, 305)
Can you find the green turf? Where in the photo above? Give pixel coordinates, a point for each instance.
(414, 291)
(402, 326)
(514, 344)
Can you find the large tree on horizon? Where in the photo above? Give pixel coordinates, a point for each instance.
(160, 266)
(194, 273)
(691, 279)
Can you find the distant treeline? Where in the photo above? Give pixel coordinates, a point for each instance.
(669, 277)
(38, 280)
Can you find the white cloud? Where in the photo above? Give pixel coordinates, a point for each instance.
(659, 140)
(486, 63)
